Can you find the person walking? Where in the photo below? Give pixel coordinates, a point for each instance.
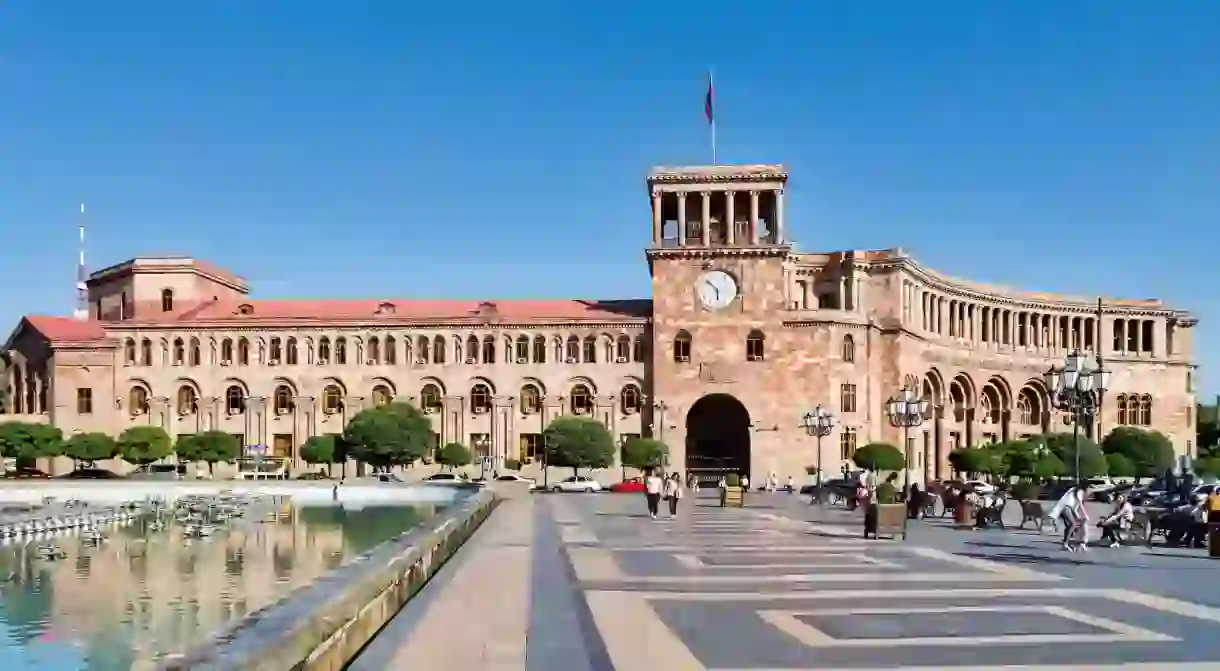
(673, 494)
(1067, 511)
(652, 492)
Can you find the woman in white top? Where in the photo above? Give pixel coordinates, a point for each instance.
(673, 493)
(1119, 520)
(652, 492)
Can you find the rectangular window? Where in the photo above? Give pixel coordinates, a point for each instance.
(480, 444)
(84, 401)
(281, 446)
(531, 447)
(847, 444)
(847, 398)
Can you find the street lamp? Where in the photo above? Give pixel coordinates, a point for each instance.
(1077, 388)
(818, 422)
(906, 409)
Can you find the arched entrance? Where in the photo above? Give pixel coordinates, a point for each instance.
(718, 437)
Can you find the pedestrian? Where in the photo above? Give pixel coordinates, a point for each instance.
(673, 494)
(1067, 511)
(652, 492)
(772, 483)
(789, 486)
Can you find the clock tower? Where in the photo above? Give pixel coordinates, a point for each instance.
(719, 260)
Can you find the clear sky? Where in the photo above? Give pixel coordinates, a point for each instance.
(498, 150)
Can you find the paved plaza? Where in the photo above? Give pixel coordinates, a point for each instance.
(575, 583)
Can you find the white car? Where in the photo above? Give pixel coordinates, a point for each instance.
(577, 483)
(447, 479)
(979, 487)
(515, 477)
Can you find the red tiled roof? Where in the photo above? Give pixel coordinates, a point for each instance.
(66, 329)
(414, 310)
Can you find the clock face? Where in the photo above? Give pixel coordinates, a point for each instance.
(717, 289)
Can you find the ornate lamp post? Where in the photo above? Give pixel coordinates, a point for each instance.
(818, 422)
(906, 409)
(1077, 388)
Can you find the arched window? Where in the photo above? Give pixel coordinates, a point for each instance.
(341, 351)
(1121, 402)
(480, 399)
(137, 401)
(167, 300)
(275, 352)
(471, 353)
(581, 400)
(382, 395)
(430, 398)
(145, 352)
(489, 349)
(243, 352)
(407, 343)
(391, 351)
(622, 349)
(682, 343)
(539, 349)
(129, 351)
(332, 399)
(193, 355)
(323, 350)
(571, 352)
(521, 349)
(283, 400)
(637, 349)
(290, 351)
(590, 350)
(438, 350)
(179, 352)
(424, 346)
(531, 400)
(1025, 410)
(235, 400)
(226, 351)
(631, 399)
(1146, 410)
(849, 349)
(188, 400)
(374, 351)
(755, 345)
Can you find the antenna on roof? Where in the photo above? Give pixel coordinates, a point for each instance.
(82, 292)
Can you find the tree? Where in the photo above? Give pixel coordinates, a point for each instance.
(319, 450)
(879, 457)
(213, 447)
(968, 460)
(1063, 445)
(1208, 466)
(25, 441)
(1118, 465)
(454, 455)
(578, 442)
(142, 445)
(90, 447)
(644, 453)
(388, 435)
(1149, 452)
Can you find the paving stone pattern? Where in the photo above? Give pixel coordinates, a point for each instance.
(778, 585)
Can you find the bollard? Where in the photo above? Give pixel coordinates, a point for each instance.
(1213, 533)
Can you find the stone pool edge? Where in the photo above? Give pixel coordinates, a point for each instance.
(327, 623)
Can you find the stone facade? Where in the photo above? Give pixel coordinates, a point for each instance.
(175, 343)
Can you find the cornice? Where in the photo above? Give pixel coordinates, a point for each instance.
(715, 174)
(711, 253)
(639, 324)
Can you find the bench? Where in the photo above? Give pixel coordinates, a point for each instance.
(1033, 511)
(732, 497)
(885, 519)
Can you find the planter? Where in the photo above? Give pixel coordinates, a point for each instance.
(732, 497)
(963, 514)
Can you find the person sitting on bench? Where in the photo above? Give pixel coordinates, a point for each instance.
(1117, 522)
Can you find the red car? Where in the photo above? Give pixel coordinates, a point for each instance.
(630, 485)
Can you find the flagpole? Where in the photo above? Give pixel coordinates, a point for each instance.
(712, 117)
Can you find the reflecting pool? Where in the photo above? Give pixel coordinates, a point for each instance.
(161, 580)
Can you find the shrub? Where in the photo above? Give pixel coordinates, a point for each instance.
(1025, 491)
(887, 493)
(733, 480)
(512, 464)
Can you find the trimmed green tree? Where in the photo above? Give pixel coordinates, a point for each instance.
(644, 453)
(578, 442)
(26, 442)
(1118, 465)
(1063, 445)
(968, 460)
(1150, 452)
(87, 448)
(454, 455)
(1209, 466)
(395, 434)
(319, 450)
(142, 445)
(210, 447)
(879, 457)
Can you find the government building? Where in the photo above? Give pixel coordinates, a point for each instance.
(742, 336)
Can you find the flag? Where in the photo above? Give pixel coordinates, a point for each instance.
(707, 102)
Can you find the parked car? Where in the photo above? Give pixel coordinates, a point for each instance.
(1108, 495)
(515, 477)
(577, 483)
(630, 485)
(26, 474)
(979, 487)
(447, 479)
(159, 472)
(314, 475)
(91, 474)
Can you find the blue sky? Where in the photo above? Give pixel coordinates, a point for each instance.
(394, 149)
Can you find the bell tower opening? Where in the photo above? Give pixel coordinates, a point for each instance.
(718, 206)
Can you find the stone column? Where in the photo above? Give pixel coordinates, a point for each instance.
(706, 215)
(681, 219)
(779, 216)
(730, 216)
(805, 295)
(1135, 326)
(657, 232)
(754, 218)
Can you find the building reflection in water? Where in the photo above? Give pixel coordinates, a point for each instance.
(143, 593)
